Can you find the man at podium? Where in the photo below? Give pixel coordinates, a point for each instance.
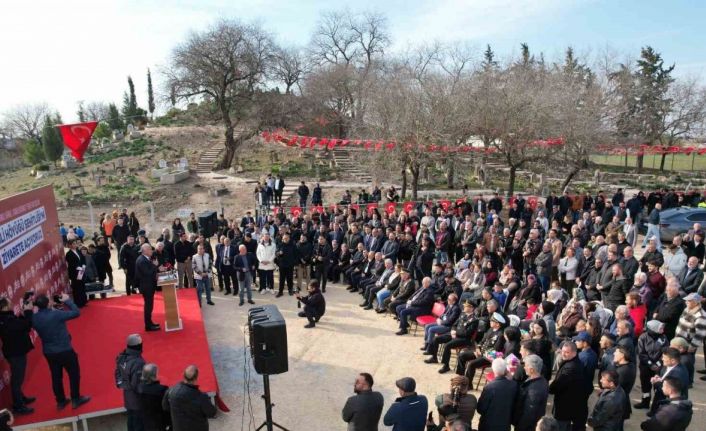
(146, 281)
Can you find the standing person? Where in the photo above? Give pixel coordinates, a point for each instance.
(531, 403)
(102, 258)
(568, 390)
(192, 226)
(224, 261)
(201, 264)
(286, 259)
(16, 343)
(609, 412)
(671, 367)
(673, 413)
(188, 407)
(649, 348)
(304, 252)
(151, 393)
(127, 256)
(107, 227)
(321, 257)
(76, 263)
(496, 402)
(128, 372)
(279, 189)
(409, 411)
(317, 196)
(50, 324)
(146, 281)
(120, 233)
(692, 328)
(653, 227)
(303, 192)
(266, 254)
(314, 304)
(244, 265)
(183, 250)
(363, 410)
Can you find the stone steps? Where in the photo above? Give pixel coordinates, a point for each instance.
(342, 158)
(208, 158)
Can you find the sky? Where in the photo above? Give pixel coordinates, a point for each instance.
(61, 52)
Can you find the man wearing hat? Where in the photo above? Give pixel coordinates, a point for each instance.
(649, 348)
(409, 411)
(493, 341)
(461, 335)
(686, 359)
(128, 372)
(692, 328)
(589, 360)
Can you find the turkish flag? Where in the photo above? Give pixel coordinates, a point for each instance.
(275, 210)
(355, 207)
(407, 207)
(459, 201)
(390, 207)
(323, 142)
(532, 202)
(77, 137)
(319, 209)
(333, 207)
(292, 141)
(445, 204)
(370, 208)
(296, 211)
(332, 144)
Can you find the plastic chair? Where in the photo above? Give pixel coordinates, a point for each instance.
(436, 312)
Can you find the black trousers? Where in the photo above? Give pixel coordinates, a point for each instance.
(134, 420)
(18, 367)
(278, 197)
(321, 272)
(219, 276)
(129, 282)
(286, 275)
(371, 294)
(230, 278)
(311, 314)
(451, 343)
(149, 306)
(645, 375)
(468, 363)
(58, 362)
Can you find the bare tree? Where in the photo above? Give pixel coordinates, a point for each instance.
(26, 120)
(97, 111)
(229, 63)
(289, 67)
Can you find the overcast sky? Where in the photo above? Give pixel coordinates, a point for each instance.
(61, 52)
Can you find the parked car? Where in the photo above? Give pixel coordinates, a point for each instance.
(676, 221)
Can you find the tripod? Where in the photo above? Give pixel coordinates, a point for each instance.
(268, 407)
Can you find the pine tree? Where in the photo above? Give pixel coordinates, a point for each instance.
(489, 58)
(150, 93)
(129, 100)
(32, 152)
(81, 112)
(52, 144)
(114, 119)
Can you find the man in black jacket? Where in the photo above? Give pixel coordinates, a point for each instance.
(151, 394)
(76, 263)
(121, 231)
(314, 304)
(16, 343)
(495, 404)
(321, 257)
(362, 411)
(461, 335)
(304, 251)
(127, 256)
(404, 291)
(146, 281)
(673, 413)
(183, 251)
(531, 402)
(189, 408)
(609, 411)
(286, 260)
(419, 304)
(567, 387)
(128, 374)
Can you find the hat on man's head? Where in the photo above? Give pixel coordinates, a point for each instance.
(693, 297)
(134, 340)
(583, 336)
(679, 342)
(407, 384)
(655, 326)
(497, 317)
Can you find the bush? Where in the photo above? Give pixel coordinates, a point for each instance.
(32, 152)
(41, 167)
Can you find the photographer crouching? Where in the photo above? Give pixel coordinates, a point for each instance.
(16, 343)
(314, 304)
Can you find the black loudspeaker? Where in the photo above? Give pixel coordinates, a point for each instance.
(208, 223)
(268, 340)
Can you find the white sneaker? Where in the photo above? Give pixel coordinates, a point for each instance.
(272, 291)
(262, 292)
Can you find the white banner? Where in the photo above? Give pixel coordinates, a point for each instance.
(15, 228)
(19, 247)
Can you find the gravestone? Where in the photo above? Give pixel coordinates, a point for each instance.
(162, 163)
(273, 157)
(596, 178)
(118, 135)
(183, 163)
(99, 180)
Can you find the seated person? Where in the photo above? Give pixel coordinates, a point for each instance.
(314, 304)
(493, 341)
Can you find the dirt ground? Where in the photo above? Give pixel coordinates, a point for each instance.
(323, 363)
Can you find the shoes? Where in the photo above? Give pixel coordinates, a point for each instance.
(644, 404)
(428, 353)
(369, 307)
(431, 360)
(310, 325)
(270, 291)
(29, 400)
(227, 292)
(291, 293)
(80, 401)
(364, 304)
(301, 314)
(444, 369)
(401, 332)
(61, 404)
(152, 328)
(279, 295)
(380, 311)
(210, 303)
(262, 292)
(703, 378)
(701, 371)
(424, 349)
(241, 303)
(250, 301)
(24, 410)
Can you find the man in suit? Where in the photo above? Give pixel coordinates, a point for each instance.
(247, 220)
(279, 188)
(77, 267)
(390, 248)
(127, 256)
(692, 276)
(419, 304)
(244, 266)
(696, 247)
(672, 367)
(225, 253)
(444, 322)
(146, 281)
(400, 295)
(370, 289)
(321, 258)
(496, 402)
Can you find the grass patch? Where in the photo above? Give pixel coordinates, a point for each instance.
(682, 162)
(130, 187)
(132, 148)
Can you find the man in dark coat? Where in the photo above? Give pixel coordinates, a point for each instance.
(16, 343)
(673, 413)
(188, 407)
(151, 394)
(225, 254)
(121, 231)
(362, 411)
(671, 367)
(146, 281)
(409, 411)
(76, 263)
(670, 307)
(128, 374)
(127, 256)
(568, 389)
(461, 335)
(609, 411)
(321, 256)
(531, 402)
(286, 260)
(314, 304)
(496, 402)
(419, 304)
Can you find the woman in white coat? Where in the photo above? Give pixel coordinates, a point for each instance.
(630, 232)
(266, 251)
(568, 265)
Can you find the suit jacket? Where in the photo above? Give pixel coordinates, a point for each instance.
(450, 315)
(74, 262)
(690, 283)
(220, 253)
(390, 249)
(145, 275)
(405, 290)
(495, 405)
(423, 298)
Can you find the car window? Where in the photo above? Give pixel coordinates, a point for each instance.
(697, 217)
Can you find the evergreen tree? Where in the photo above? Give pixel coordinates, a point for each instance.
(32, 152)
(52, 144)
(102, 130)
(150, 93)
(129, 100)
(114, 119)
(81, 112)
(489, 58)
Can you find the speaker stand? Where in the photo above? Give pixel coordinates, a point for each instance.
(268, 407)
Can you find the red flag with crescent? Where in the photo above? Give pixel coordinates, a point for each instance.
(319, 209)
(77, 137)
(370, 208)
(296, 211)
(459, 201)
(445, 204)
(407, 207)
(390, 207)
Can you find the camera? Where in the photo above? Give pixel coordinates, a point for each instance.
(27, 297)
(57, 300)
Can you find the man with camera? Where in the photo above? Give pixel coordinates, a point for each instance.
(50, 324)
(314, 304)
(16, 343)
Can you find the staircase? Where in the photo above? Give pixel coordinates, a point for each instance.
(342, 158)
(208, 158)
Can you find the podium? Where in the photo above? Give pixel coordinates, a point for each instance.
(168, 281)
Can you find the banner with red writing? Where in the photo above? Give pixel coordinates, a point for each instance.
(31, 256)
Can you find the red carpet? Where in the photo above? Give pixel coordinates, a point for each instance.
(99, 334)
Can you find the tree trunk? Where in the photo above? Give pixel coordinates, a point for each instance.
(450, 173)
(414, 168)
(661, 162)
(511, 181)
(640, 161)
(404, 181)
(231, 145)
(569, 177)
